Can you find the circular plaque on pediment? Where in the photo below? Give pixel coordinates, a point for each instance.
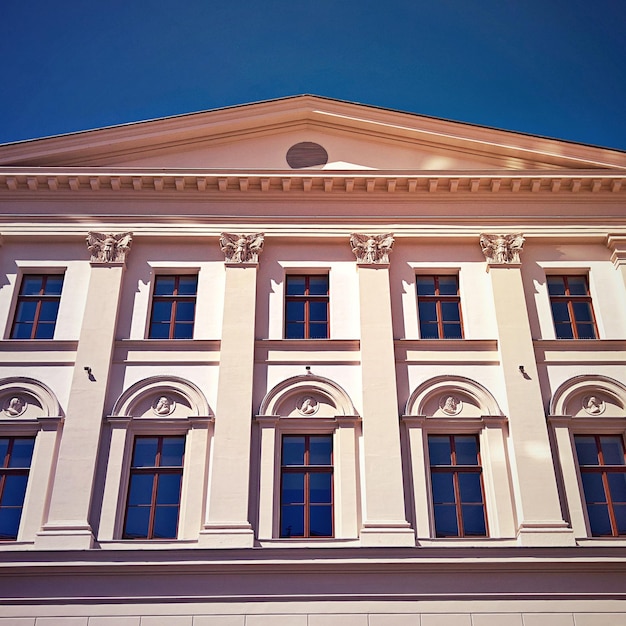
(450, 405)
(593, 405)
(306, 154)
(307, 405)
(163, 405)
(15, 406)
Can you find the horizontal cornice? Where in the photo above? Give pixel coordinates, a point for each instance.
(231, 182)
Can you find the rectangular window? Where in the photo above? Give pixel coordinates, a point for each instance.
(154, 489)
(173, 306)
(37, 306)
(603, 474)
(571, 307)
(306, 307)
(439, 306)
(306, 486)
(457, 486)
(15, 455)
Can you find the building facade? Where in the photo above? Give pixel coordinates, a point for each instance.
(310, 362)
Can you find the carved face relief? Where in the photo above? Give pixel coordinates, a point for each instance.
(109, 248)
(593, 405)
(371, 249)
(307, 406)
(15, 406)
(450, 405)
(164, 406)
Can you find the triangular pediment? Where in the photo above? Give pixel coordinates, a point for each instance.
(260, 136)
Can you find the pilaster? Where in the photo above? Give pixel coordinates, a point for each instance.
(227, 524)
(540, 521)
(385, 518)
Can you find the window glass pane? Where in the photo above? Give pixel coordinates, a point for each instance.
(296, 285)
(429, 331)
(185, 311)
(448, 285)
(48, 311)
(54, 284)
(293, 450)
(469, 486)
(450, 311)
(560, 312)
(22, 331)
(586, 331)
(599, 519)
(4, 448)
(620, 518)
(187, 285)
(295, 311)
(165, 522)
(586, 450)
(26, 311)
(292, 488)
(161, 311)
(168, 488)
(439, 450)
(321, 521)
(582, 311)
(445, 521)
(452, 331)
(14, 490)
(172, 451)
(466, 450)
(617, 486)
(443, 488)
(292, 521)
(22, 453)
(556, 286)
(160, 331)
(183, 330)
(593, 487)
(564, 331)
(318, 285)
(577, 285)
(320, 487)
(145, 452)
(137, 520)
(10, 523)
(294, 331)
(612, 450)
(473, 521)
(318, 311)
(318, 331)
(164, 285)
(140, 491)
(427, 311)
(320, 450)
(44, 330)
(425, 285)
(31, 285)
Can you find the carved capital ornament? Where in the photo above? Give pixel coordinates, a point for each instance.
(109, 248)
(502, 249)
(242, 248)
(371, 249)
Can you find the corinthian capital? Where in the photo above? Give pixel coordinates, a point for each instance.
(500, 249)
(242, 248)
(109, 248)
(371, 249)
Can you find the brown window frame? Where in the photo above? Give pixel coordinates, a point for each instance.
(175, 298)
(455, 470)
(39, 298)
(156, 471)
(604, 470)
(437, 298)
(570, 299)
(307, 470)
(307, 298)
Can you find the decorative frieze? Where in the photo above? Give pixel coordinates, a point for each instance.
(109, 248)
(502, 249)
(242, 248)
(371, 249)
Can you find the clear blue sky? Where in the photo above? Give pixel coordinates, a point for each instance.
(547, 67)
